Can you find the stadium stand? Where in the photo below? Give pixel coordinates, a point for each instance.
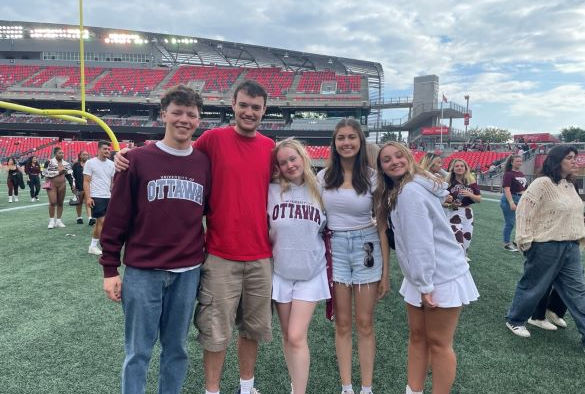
(62, 76)
(484, 159)
(129, 82)
(215, 79)
(276, 81)
(12, 74)
(312, 81)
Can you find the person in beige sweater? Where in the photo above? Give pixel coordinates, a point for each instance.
(549, 230)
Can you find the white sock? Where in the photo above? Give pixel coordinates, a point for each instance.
(94, 242)
(51, 220)
(79, 217)
(347, 387)
(211, 392)
(246, 385)
(410, 391)
(367, 389)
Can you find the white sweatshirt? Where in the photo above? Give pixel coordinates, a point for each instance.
(426, 249)
(296, 222)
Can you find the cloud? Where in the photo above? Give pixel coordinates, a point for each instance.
(501, 52)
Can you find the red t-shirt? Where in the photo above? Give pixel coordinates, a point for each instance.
(237, 228)
(515, 180)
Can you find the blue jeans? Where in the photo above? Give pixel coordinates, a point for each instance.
(157, 304)
(556, 263)
(509, 216)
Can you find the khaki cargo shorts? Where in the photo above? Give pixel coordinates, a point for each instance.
(233, 293)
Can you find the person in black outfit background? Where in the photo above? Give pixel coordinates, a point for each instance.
(32, 168)
(82, 157)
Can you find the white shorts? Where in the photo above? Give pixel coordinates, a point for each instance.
(312, 290)
(452, 294)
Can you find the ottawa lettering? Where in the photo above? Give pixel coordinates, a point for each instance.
(296, 211)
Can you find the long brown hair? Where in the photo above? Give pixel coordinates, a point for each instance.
(360, 179)
(508, 162)
(387, 190)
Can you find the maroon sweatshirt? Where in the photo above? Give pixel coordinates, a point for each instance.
(156, 211)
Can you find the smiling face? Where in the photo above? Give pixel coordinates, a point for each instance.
(459, 168)
(347, 142)
(290, 164)
(569, 165)
(248, 112)
(394, 162)
(516, 163)
(181, 122)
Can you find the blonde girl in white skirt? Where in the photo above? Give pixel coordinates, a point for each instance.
(437, 281)
(299, 281)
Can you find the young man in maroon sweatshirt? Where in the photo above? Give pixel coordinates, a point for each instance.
(236, 279)
(156, 213)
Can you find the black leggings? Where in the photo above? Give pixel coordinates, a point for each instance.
(551, 301)
(35, 186)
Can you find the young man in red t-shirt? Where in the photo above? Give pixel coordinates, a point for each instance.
(236, 279)
(156, 214)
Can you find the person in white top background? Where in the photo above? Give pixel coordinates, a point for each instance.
(437, 281)
(360, 255)
(296, 219)
(98, 174)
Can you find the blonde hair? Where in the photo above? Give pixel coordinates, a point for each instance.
(426, 162)
(309, 177)
(372, 151)
(468, 177)
(387, 190)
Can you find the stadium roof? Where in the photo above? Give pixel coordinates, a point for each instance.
(172, 49)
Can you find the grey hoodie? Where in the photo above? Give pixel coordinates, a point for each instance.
(426, 249)
(296, 222)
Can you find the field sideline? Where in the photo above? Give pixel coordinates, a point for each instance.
(60, 334)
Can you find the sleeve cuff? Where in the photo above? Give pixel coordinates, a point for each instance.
(110, 271)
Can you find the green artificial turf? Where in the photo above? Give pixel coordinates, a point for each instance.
(59, 333)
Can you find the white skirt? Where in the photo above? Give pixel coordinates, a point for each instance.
(312, 290)
(452, 294)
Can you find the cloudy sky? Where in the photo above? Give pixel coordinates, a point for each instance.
(521, 61)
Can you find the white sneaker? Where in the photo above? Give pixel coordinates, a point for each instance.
(544, 324)
(36, 198)
(32, 199)
(521, 331)
(555, 319)
(9, 198)
(94, 250)
(347, 392)
(510, 247)
(15, 198)
(51, 223)
(59, 223)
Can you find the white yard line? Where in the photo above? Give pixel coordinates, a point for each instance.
(43, 204)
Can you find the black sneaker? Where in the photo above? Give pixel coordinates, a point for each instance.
(91, 222)
(79, 221)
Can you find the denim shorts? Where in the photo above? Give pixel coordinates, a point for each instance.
(350, 252)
